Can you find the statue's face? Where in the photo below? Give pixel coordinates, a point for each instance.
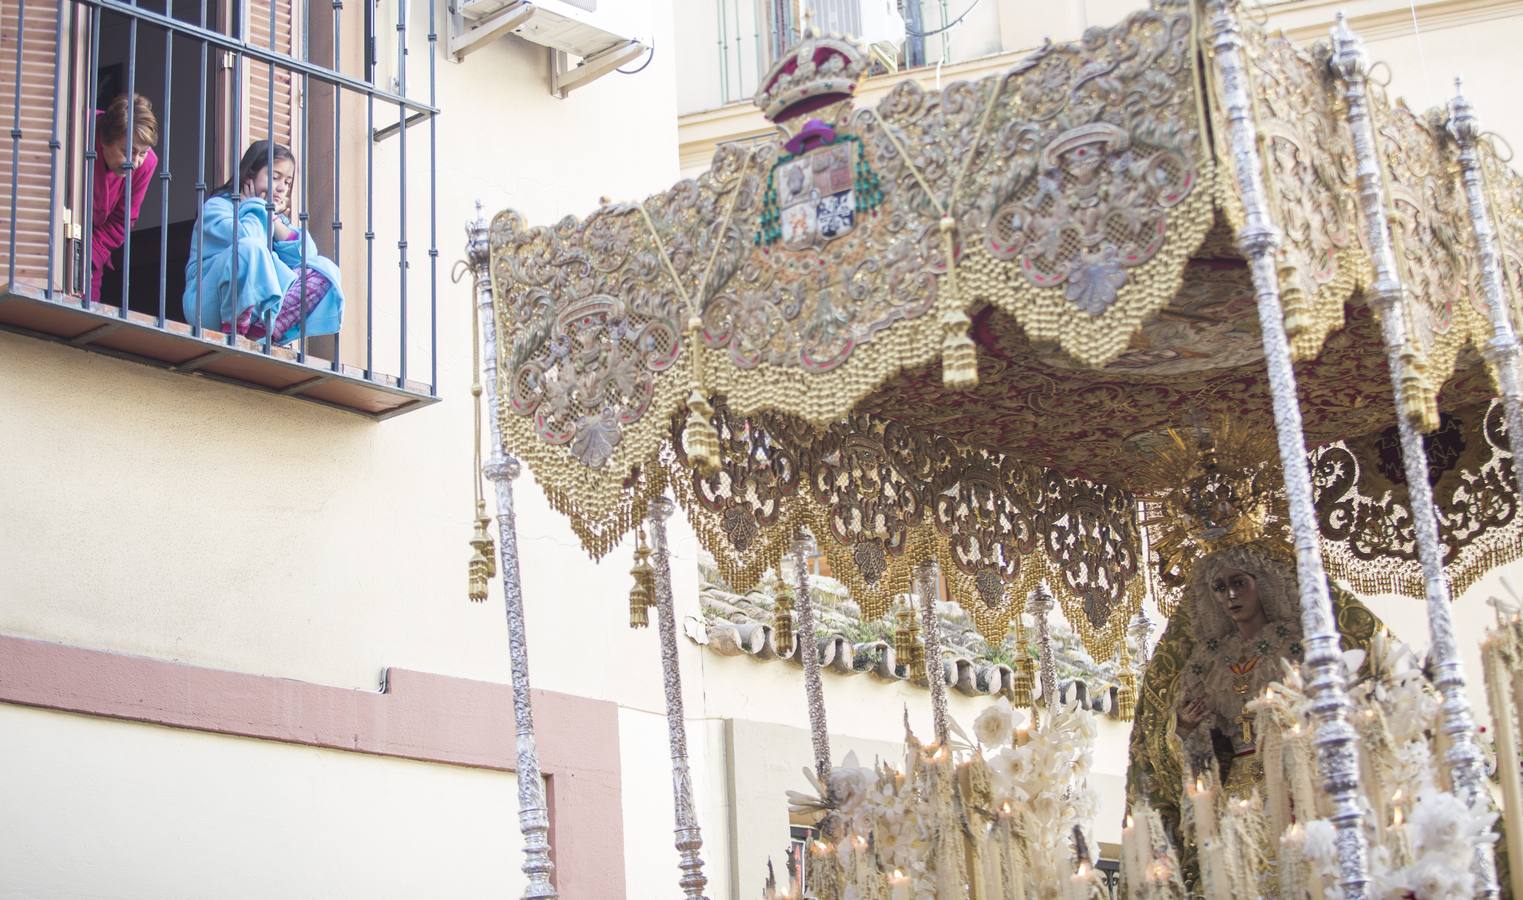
(1237, 592)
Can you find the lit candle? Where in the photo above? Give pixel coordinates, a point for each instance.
(1203, 803)
(1080, 884)
(1133, 860)
(1022, 734)
(899, 886)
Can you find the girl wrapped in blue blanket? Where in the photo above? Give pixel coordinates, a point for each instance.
(279, 277)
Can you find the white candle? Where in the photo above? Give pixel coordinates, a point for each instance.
(1291, 864)
(1401, 850)
(899, 886)
(1131, 857)
(1503, 698)
(1082, 883)
(1203, 803)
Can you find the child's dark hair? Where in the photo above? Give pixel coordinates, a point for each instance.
(259, 155)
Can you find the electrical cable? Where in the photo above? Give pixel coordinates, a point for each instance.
(946, 27)
(648, 57)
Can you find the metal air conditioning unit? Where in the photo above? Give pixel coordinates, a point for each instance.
(596, 33)
(877, 23)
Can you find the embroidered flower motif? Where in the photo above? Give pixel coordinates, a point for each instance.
(1262, 646)
(596, 436)
(1213, 644)
(1295, 648)
(1094, 280)
(1282, 630)
(1198, 668)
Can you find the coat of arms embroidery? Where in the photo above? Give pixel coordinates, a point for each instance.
(814, 195)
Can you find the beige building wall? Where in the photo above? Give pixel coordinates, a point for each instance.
(94, 808)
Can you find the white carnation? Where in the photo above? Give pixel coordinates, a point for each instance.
(994, 725)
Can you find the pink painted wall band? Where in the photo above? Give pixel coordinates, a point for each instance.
(433, 718)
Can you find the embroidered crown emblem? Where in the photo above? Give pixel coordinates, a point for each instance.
(815, 73)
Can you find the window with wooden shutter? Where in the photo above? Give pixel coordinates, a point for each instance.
(258, 93)
(36, 203)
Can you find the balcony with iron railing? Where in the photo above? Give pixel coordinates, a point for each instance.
(340, 87)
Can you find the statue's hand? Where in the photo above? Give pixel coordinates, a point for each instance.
(1191, 713)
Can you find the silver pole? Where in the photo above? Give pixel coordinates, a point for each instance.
(808, 648)
(1337, 752)
(689, 838)
(502, 469)
(1502, 350)
(1351, 66)
(1041, 607)
(935, 672)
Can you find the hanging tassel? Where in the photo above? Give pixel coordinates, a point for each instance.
(1297, 315)
(959, 358)
(482, 567)
(1418, 401)
(904, 639)
(699, 438)
(1126, 697)
(641, 595)
(1126, 693)
(782, 618)
(917, 646)
(1025, 673)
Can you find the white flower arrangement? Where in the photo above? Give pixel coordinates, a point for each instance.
(1009, 805)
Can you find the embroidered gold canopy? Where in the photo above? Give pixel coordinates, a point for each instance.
(952, 326)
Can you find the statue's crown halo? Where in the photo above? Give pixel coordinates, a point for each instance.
(1217, 487)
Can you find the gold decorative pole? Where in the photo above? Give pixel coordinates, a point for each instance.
(1466, 771)
(502, 469)
(689, 838)
(1337, 751)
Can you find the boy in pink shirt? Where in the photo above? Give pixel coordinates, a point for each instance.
(111, 219)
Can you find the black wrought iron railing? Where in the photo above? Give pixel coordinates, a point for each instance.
(341, 88)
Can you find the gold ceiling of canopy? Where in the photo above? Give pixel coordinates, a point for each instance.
(820, 303)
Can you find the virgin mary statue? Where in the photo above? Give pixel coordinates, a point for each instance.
(1235, 626)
